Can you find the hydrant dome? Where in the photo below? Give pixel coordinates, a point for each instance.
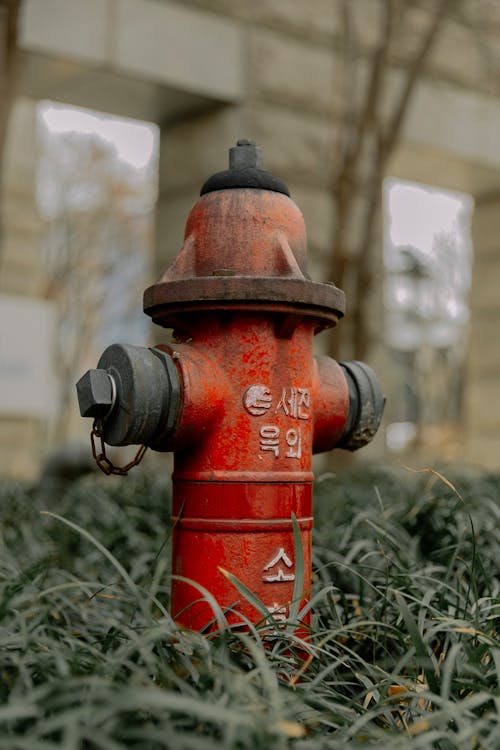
(248, 232)
(244, 246)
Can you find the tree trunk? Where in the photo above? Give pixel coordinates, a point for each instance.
(9, 61)
(352, 258)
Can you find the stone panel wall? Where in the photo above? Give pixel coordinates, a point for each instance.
(20, 272)
(483, 383)
(20, 265)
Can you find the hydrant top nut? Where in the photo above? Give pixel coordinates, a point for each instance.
(245, 155)
(245, 171)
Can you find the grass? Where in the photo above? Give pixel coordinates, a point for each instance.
(404, 650)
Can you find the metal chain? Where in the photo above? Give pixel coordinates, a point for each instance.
(102, 460)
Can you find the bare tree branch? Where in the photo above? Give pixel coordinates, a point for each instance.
(359, 176)
(367, 116)
(349, 50)
(412, 74)
(9, 56)
(9, 13)
(92, 235)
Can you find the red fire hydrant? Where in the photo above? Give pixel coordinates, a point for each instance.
(239, 397)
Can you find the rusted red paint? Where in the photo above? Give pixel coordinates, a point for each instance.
(255, 402)
(243, 249)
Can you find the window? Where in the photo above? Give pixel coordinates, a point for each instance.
(97, 187)
(427, 256)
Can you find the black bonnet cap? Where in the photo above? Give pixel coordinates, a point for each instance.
(245, 171)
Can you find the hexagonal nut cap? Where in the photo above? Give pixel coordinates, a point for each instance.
(95, 393)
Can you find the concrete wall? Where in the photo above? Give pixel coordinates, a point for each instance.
(211, 71)
(20, 271)
(483, 386)
(20, 275)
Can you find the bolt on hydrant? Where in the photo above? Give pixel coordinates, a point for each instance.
(239, 397)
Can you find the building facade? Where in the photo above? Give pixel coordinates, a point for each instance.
(208, 72)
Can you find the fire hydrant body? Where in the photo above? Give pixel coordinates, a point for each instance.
(239, 397)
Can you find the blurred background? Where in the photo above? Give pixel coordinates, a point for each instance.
(382, 116)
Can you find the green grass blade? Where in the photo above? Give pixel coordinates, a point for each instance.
(249, 595)
(102, 549)
(298, 584)
(421, 650)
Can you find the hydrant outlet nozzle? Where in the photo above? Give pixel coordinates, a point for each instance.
(136, 392)
(366, 405)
